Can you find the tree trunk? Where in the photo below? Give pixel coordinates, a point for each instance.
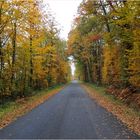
(88, 73)
(1, 55)
(31, 64)
(105, 13)
(99, 70)
(13, 55)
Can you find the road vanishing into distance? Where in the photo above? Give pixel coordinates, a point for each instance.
(70, 114)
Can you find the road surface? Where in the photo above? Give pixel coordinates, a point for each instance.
(68, 114)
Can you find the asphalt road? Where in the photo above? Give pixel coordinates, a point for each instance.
(69, 114)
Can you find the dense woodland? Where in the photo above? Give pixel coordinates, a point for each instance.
(32, 56)
(105, 42)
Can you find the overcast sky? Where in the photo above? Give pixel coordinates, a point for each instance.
(64, 12)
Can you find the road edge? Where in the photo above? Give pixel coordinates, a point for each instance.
(121, 111)
(28, 105)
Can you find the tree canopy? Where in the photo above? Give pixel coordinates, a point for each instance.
(105, 42)
(32, 55)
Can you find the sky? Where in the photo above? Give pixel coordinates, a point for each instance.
(64, 12)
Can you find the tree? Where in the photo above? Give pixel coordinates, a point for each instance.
(104, 40)
(32, 56)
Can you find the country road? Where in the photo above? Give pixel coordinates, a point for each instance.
(68, 114)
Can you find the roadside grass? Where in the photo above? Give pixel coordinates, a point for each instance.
(128, 114)
(112, 98)
(7, 107)
(10, 110)
(101, 91)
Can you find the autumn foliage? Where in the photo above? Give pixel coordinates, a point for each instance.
(105, 42)
(32, 56)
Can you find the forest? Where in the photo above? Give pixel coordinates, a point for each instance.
(32, 55)
(41, 97)
(105, 43)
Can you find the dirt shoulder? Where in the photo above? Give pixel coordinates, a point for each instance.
(126, 114)
(11, 111)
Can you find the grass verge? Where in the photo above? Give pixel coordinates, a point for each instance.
(10, 111)
(126, 114)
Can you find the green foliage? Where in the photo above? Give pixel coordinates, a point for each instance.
(105, 40)
(32, 56)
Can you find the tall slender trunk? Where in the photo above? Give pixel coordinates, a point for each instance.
(13, 55)
(24, 83)
(23, 79)
(88, 72)
(99, 66)
(31, 63)
(1, 57)
(105, 13)
(85, 73)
